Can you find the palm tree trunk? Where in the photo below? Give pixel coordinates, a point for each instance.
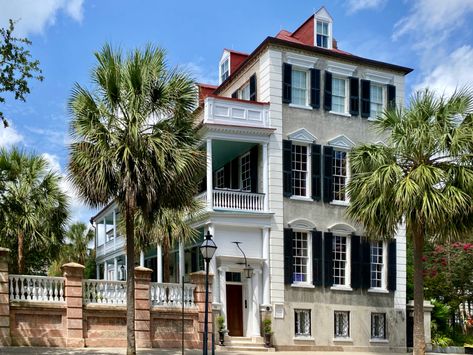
(130, 273)
(21, 256)
(166, 261)
(419, 335)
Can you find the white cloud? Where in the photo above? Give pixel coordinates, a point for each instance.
(454, 72)
(359, 5)
(9, 136)
(433, 21)
(34, 16)
(199, 73)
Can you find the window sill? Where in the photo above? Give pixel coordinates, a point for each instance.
(305, 107)
(340, 203)
(342, 340)
(377, 341)
(303, 338)
(378, 290)
(344, 114)
(302, 285)
(341, 288)
(301, 198)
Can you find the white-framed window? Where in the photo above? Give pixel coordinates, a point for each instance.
(220, 178)
(339, 95)
(302, 322)
(378, 265)
(245, 172)
(224, 70)
(376, 100)
(244, 92)
(378, 325)
(299, 87)
(322, 34)
(341, 260)
(339, 175)
(301, 258)
(342, 324)
(300, 168)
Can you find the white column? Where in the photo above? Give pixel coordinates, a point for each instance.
(142, 258)
(255, 301)
(209, 175)
(159, 261)
(115, 269)
(222, 297)
(126, 265)
(249, 310)
(114, 233)
(265, 177)
(182, 270)
(104, 233)
(105, 270)
(97, 271)
(266, 284)
(213, 263)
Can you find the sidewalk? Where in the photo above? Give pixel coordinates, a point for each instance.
(96, 351)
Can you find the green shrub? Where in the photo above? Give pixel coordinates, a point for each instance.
(267, 326)
(221, 323)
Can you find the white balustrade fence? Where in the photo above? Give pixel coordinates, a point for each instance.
(36, 288)
(238, 200)
(170, 295)
(104, 292)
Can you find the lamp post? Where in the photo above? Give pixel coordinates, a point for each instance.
(247, 270)
(207, 248)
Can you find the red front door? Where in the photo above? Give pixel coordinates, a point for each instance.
(234, 310)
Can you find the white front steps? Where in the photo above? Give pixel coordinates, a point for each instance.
(244, 344)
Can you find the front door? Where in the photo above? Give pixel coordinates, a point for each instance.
(234, 310)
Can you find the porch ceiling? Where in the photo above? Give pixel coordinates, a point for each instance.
(225, 151)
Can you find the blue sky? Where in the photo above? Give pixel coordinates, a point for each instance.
(434, 37)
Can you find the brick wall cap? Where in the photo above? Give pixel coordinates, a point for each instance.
(201, 273)
(2, 249)
(143, 269)
(73, 265)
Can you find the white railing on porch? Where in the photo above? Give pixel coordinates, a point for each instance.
(223, 110)
(238, 200)
(104, 291)
(36, 288)
(170, 295)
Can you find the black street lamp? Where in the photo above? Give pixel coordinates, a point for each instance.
(207, 248)
(247, 270)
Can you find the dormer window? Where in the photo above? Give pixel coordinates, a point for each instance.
(322, 34)
(224, 70)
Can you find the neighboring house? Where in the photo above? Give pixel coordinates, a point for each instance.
(277, 130)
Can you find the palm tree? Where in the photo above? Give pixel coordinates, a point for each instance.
(134, 142)
(34, 208)
(423, 177)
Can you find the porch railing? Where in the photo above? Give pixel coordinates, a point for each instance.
(170, 295)
(238, 200)
(36, 288)
(104, 292)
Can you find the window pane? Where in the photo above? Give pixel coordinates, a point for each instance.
(342, 324)
(302, 321)
(245, 172)
(299, 170)
(378, 325)
(219, 179)
(339, 174)
(299, 87)
(339, 249)
(245, 92)
(376, 100)
(338, 95)
(377, 265)
(300, 250)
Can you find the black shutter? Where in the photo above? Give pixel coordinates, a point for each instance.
(365, 263)
(392, 265)
(315, 88)
(355, 262)
(354, 96)
(253, 87)
(317, 258)
(227, 175)
(286, 83)
(328, 91)
(391, 97)
(365, 98)
(235, 173)
(288, 257)
(328, 256)
(194, 264)
(235, 94)
(316, 172)
(203, 184)
(254, 168)
(287, 167)
(328, 160)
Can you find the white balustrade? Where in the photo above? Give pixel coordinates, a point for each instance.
(170, 295)
(243, 113)
(238, 200)
(104, 292)
(36, 288)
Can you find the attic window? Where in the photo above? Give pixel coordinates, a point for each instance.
(224, 70)
(322, 34)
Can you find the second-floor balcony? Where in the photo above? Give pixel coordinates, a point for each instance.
(234, 200)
